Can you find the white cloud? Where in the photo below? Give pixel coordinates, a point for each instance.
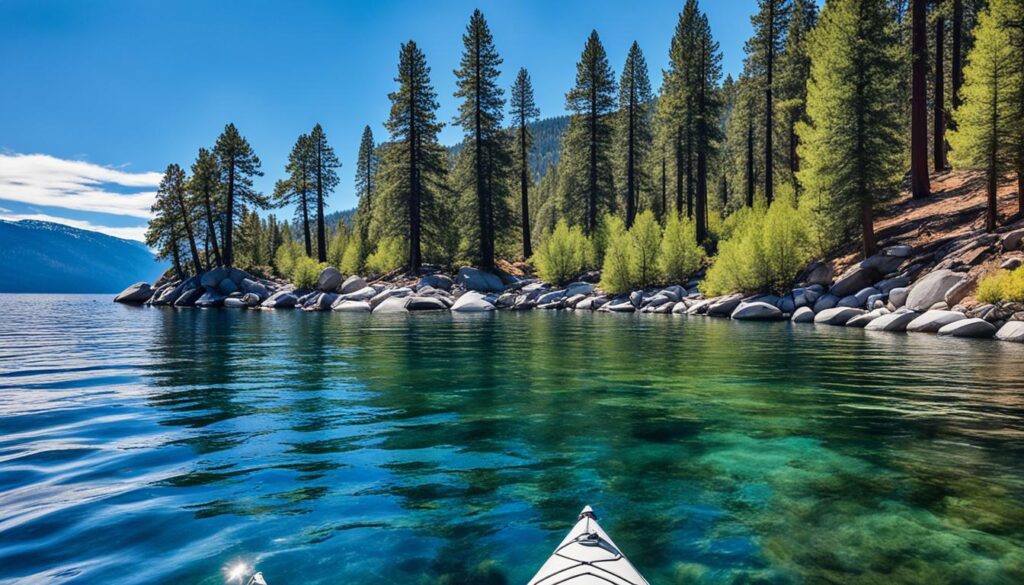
(128, 233)
(40, 179)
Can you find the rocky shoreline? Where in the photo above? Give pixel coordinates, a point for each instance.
(900, 289)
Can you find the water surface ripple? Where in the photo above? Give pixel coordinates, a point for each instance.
(143, 445)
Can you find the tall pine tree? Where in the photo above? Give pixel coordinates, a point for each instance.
(794, 69)
(238, 165)
(485, 153)
(852, 146)
(919, 184)
(635, 100)
(770, 23)
(206, 190)
(366, 183)
(707, 108)
(324, 165)
(523, 110)
(297, 188)
(588, 184)
(413, 166)
(675, 116)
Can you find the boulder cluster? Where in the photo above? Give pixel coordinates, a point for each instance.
(891, 291)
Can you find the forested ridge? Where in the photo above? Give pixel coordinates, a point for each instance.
(836, 110)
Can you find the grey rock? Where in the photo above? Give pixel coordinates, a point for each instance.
(571, 302)
(657, 301)
(877, 300)
(899, 251)
(392, 305)
(137, 293)
(281, 300)
(724, 306)
(189, 297)
(637, 298)
(863, 320)
(932, 321)
(252, 286)
(234, 303)
(854, 279)
(550, 297)
(579, 288)
(475, 279)
(626, 307)
(892, 322)
(364, 294)
(898, 296)
(1013, 240)
(826, 301)
(882, 263)
(959, 291)
(1012, 331)
(817, 273)
(976, 328)
(886, 286)
(837, 315)
(324, 301)
(505, 301)
(787, 304)
(352, 307)
(1011, 264)
(425, 304)
(472, 302)
(352, 284)
(212, 278)
(699, 307)
(227, 286)
(387, 294)
(438, 281)
(851, 301)
(932, 289)
(329, 279)
(803, 315)
(210, 299)
(756, 311)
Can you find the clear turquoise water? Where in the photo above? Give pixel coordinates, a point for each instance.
(145, 445)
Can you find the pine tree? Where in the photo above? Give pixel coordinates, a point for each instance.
(851, 148)
(939, 95)
(770, 23)
(325, 178)
(486, 153)
(174, 187)
(1015, 32)
(297, 188)
(206, 189)
(794, 69)
(675, 115)
(413, 165)
(238, 165)
(523, 110)
(366, 183)
(919, 185)
(707, 108)
(985, 118)
(634, 128)
(587, 143)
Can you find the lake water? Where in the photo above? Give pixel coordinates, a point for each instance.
(146, 445)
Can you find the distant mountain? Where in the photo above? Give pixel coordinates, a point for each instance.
(44, 257)
(547, 144)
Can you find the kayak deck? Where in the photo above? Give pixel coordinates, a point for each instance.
(587, 556)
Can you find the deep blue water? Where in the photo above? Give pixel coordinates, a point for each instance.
(149, 445)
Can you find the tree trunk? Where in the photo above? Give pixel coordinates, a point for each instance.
(939, 119)
(664, 190)
(482, 194)
(679, 171)
(702, 167)
(689, 176)
(957, 65)
(919, 185)
(750, 162)
(183, 209)
(211, 230)
(630, 177)
(769, 170)
(306, 235)
(229, 221)
(867, 226)
(524, 185)
(414, 183)
(592, 198)
(321, 228)
(1020, 187)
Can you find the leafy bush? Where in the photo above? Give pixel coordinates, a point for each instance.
(285, 257)
(563, 255)
(352, 260)
(762, 252)
(337, 245)
(305, 272)
(389, 255)
(680, 254)
(645, 246)
(1004, 285)
(616, 276)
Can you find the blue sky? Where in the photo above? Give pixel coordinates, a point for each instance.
(106, 93)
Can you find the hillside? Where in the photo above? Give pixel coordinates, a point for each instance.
(44, 257)
(547, 144)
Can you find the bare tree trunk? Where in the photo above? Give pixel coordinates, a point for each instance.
(919, 185)
(939, 119)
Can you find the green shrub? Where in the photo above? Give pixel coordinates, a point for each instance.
(389, 255)
(305, 272)
(285, 257)
(1004, 285)
(563, 255)
(352, 259)
(763, 252)
(616, 275)
(680, 254)
(337, 245)
(645, 247)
